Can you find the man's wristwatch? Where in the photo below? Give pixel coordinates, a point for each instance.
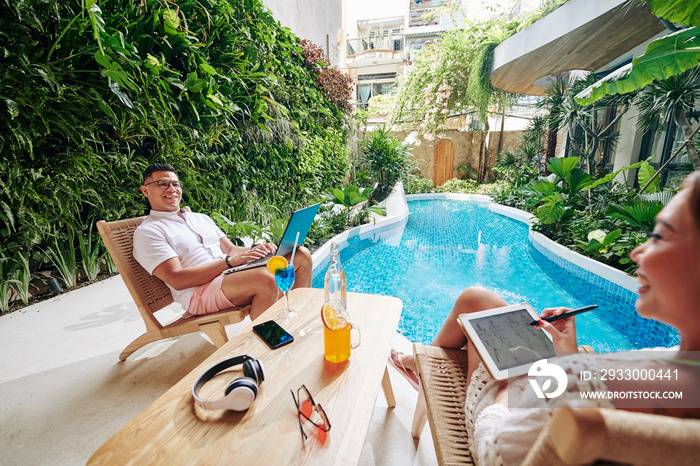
(227, 262)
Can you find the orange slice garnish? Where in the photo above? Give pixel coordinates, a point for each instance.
(276, 262)
(330, 317)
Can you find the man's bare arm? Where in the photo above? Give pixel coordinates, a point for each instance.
(174, 274)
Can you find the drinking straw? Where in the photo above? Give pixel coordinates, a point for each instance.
(294, 248)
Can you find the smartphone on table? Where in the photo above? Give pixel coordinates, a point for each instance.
(274, 335)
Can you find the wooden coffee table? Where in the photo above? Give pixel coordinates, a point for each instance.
(173, 431)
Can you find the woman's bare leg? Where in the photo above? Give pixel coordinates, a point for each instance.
(450, 335)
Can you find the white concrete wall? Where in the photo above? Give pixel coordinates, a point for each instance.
(628, 145)
(316, 20)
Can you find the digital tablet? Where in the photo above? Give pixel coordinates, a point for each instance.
(505, 340)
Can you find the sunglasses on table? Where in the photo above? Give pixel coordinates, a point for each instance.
(310, 411)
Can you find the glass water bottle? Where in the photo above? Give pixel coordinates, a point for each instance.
(335, 285)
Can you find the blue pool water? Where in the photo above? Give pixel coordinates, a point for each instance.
(447, 246)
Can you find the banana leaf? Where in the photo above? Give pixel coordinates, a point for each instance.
(678, 11)
(646, 173)
(665, 57)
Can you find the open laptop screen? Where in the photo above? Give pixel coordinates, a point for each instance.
(300, 223)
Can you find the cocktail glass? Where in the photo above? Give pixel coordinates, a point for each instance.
(284, 277)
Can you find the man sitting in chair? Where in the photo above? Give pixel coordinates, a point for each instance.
(190, 254)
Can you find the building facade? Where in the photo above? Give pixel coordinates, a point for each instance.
(598, 36)
(381, 38)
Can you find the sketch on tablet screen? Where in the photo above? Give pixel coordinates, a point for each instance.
(511, 340)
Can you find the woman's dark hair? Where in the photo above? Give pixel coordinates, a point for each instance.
(692, 184)
(157, 167)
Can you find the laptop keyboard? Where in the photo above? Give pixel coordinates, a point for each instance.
(258, 261)
(250, 264)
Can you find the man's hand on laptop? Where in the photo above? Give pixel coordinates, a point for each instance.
(249, 255)
(264, 249)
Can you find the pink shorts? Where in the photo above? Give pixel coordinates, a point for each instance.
(208, 299)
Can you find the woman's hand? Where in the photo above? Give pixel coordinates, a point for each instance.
(563, 331)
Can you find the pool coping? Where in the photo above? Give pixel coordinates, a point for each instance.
(397, 211)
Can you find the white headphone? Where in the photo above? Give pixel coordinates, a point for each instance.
(240, 393)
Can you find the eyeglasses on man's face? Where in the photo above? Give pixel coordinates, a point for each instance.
(164, 184)
(310, 411)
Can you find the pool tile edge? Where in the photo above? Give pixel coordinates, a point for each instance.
(397, 210)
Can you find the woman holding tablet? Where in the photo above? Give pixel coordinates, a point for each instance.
(669, 275)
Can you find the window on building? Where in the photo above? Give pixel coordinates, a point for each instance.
(659, 144)
(604, 158)
(608, 144)
(367, 91)
(364, 93)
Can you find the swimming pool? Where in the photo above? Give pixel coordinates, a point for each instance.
(447, 245)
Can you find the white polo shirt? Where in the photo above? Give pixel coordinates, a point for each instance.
(164, 235)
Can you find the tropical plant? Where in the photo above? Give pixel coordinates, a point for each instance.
(612, 248)
(386, 160)
(664, 57)
(515, 167)
(323, 229)
(335, 85)
(647, 178)
(637, 212)
(327, 224)
(458, 186)
(349, 196)
(109, 262)
(417, 184)
(521, 165)
(238, 231)
(6, 281)
(91, 254)
(356, 202)
(466, 172)
(671, 99)
(557, 197)
(554, 98)
(92, 93)
(62, 255)
(22, 277)
(276, 229)
(573, 116)
(536, 132)
(599, 242)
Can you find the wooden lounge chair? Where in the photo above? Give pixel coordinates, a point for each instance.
(151, 294)
(574, 436)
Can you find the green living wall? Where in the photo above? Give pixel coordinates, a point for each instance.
(90, 94)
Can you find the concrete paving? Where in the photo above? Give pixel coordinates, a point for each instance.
(64, 392)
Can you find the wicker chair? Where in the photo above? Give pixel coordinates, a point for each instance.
(151, 294)
(573, 437)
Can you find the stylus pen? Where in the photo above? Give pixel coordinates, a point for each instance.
(566, 314)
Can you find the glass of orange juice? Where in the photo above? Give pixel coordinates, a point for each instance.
(337, 335)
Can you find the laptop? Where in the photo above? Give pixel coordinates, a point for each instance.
(299, 224)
